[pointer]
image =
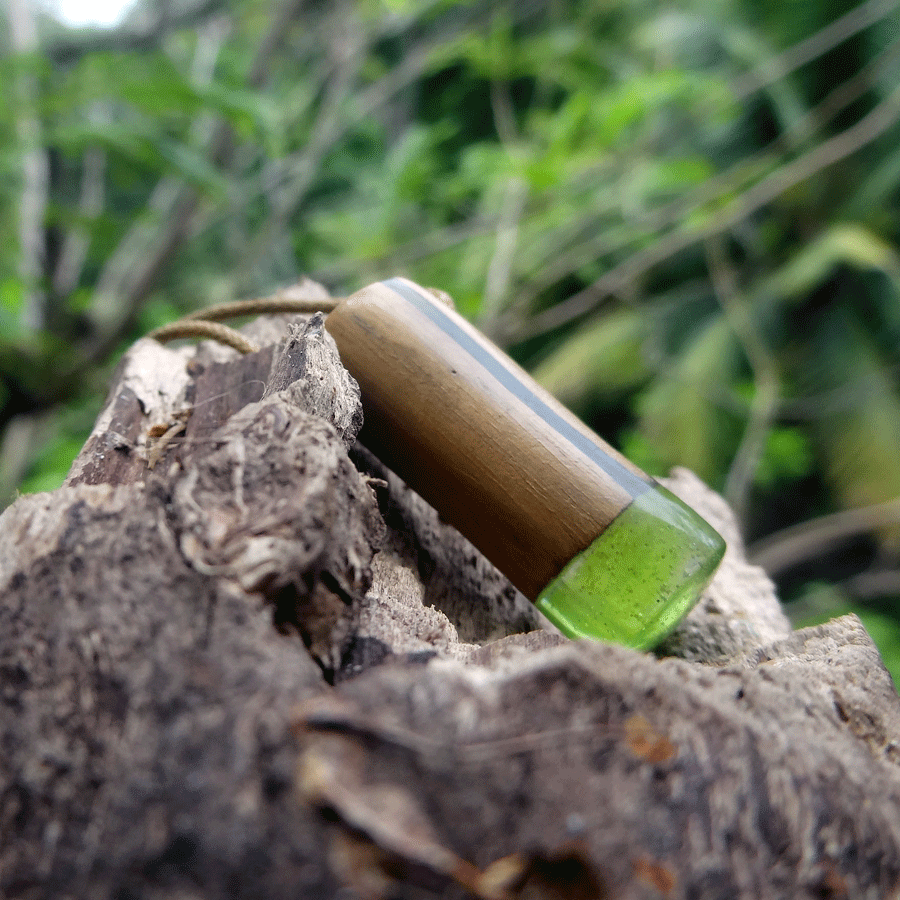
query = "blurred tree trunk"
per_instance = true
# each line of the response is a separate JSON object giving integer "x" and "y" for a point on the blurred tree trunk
{"x": 34, "y": 169}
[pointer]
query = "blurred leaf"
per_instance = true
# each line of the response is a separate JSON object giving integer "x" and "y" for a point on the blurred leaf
{"x": 858, "y": 433}
{"x": 137, "y": 143}
{"x": 246, "y": 110}
{"x": 53, "y": 463}
{"x": 127, "y": 138}
{"x": 844, "y": 243}
{"x": 602, "y": 358}
{"x": 194, "y": 167}
{"x": 678, "y": 414}
{"x": 786, "y": 456}
{"x": 149, "y": 82}
{"x": 154, "y": 86}
{"x": 12, "y": 298}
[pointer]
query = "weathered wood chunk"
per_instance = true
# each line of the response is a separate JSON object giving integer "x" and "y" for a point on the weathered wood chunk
{"x": 173, "y": 622}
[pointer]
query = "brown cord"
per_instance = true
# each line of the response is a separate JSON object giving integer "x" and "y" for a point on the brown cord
{"x": 206, "y": 323}
{"x": 198, "y": 328}
{"x": 263, "y": 306}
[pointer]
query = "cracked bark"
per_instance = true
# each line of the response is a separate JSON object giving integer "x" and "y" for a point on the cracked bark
{"x": 265, "y": 668}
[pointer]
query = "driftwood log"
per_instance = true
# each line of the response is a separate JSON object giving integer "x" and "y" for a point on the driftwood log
{"x": 239, "y": 659}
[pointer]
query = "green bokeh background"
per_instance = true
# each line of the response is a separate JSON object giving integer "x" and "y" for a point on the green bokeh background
{"x": 683, "y": 218}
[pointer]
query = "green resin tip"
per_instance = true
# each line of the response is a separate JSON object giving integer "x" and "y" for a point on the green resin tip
{"x": 636, "y": 581}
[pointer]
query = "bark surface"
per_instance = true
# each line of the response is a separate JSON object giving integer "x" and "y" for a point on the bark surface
{"x": 239, "y": 658}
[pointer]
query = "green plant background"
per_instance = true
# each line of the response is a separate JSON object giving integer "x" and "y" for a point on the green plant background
{"x": 683, "y": 218}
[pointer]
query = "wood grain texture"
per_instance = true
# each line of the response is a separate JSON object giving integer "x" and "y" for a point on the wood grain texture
{"x": 513, "y": 477}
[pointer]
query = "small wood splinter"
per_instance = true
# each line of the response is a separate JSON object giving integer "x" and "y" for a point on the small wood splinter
{"x": 162, "y": 440}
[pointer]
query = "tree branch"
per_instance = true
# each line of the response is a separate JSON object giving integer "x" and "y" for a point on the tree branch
{"x": 69, "y": 49}
{"x": 34, "y": 168}
{"x": 790, "y": 546}
{"x": 825, "y": 154}
{"x": 135, "y": 267}
{"x": 75, "y": 245}
{"x": 827, "y": 38}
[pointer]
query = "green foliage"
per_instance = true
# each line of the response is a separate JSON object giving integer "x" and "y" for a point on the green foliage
{"x": 685, "y": 219}
{"x": 859, "y": 440}
{"x": 603, "y": 358}
{"x": 786, "y": 457}
{"x": 54, "y": 458}
{"x": 678, "y": 414}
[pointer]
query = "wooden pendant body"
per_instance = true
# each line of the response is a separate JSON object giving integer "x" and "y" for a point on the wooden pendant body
{"x": 476, "y": 436}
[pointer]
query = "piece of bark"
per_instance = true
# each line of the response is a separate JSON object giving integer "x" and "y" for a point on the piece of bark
{"x": 475, "y": 602}
{"x": 150, "y": 638}
{"x": 168, "y": 635}
{"x": 143, "y": 739}
{"x": 149, "y": 385}
{"x": 668, "y": 778}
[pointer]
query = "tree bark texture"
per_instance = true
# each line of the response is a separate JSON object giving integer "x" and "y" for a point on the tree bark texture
{"x": 239, "y": 658}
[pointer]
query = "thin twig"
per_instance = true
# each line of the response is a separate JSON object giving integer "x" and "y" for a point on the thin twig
{"x": 827, "y": 38}
{"x": 852, "y": 89}
{"x": 499, "y": 272}
{"x": 789, "y": 546}
{"x": 847, "y": 142}
{"x": 515, "y": 196}
{"x": 764, "y": 405}
{"x": 873, "y": 584}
